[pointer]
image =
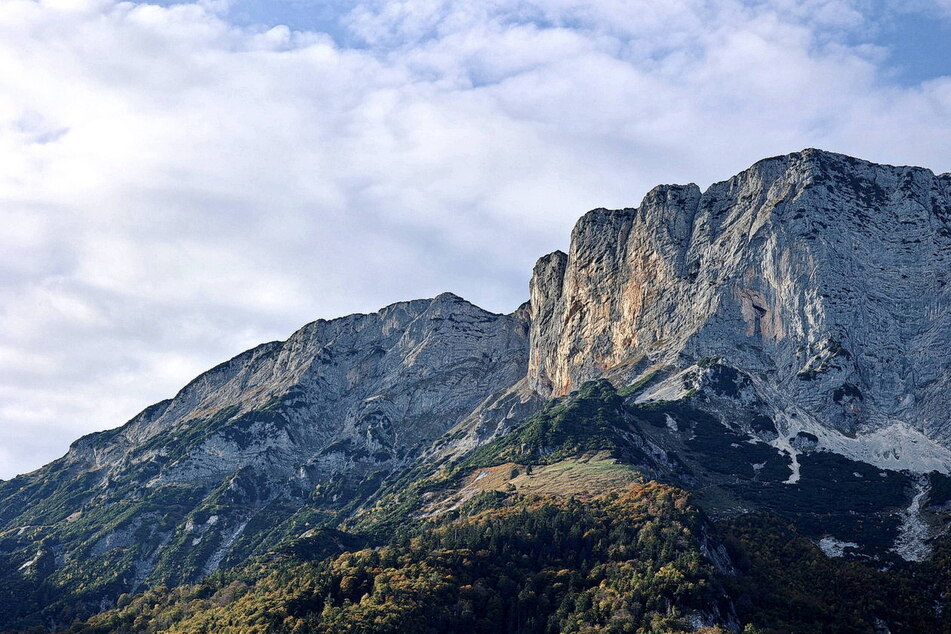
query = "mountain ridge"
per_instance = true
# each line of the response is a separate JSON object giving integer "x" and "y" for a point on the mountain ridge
{"x": 745, "y": 338}
{"x": 689, "y": 271}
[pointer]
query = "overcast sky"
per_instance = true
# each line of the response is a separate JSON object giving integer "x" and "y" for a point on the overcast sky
{"x": 179, "y": 181}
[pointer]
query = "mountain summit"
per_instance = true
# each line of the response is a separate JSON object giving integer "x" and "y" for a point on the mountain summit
{"x": 776, "y": 344}
{"x": 825, "y": 279}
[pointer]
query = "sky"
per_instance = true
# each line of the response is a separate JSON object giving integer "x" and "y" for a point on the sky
{"x": 180, "y": 181}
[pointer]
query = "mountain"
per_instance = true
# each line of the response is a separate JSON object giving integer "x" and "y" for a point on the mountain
{"x": 776, "y": 345}
{"x": 236, "y": 459}
{"x": 824, "y": 279}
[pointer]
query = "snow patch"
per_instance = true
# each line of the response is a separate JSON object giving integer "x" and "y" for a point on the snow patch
{"x": 33, "y": 561}
{"x": 833, "y": 547}
{"x": 782, "y": 443}
{"x": 913, "y": 534}
{"x": 671, "y": 423}
{"x": 896, "y": 446}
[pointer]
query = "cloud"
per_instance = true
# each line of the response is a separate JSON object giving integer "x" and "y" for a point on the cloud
{"x": 177, "y": 185}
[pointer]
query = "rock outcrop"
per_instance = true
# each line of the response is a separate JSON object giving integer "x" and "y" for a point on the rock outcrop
{"x": 385, "y": 384}
{"x": 249, "y": 451}
{"x": 823, "y": 277}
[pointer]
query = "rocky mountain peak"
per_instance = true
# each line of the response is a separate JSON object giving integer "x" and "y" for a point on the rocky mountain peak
{"x": 825, "y": 275}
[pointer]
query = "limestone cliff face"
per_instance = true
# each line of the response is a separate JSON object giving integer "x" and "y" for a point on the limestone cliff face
{"x": 824, "y": 277}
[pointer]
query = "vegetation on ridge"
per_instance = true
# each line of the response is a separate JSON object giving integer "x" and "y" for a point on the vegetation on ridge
{"x": 628, "y": 562}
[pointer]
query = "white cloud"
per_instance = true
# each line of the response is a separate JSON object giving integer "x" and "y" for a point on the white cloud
{"x": 175, "y": 188}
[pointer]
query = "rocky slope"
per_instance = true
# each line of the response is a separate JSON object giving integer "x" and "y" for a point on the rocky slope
{"x": 776, "y": 343}
{"x": 340, "y": 396}
{"x": 254, "y": 449}
{"x": 823, "y": 278}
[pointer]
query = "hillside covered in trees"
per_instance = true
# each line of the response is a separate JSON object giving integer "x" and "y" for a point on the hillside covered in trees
{"x": 551, "y": 528}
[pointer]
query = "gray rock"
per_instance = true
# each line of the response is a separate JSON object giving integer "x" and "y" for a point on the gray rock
{"x": 280, "y": 428}
{"x": 384, "y": 383}
{"x": 824, "y": 277}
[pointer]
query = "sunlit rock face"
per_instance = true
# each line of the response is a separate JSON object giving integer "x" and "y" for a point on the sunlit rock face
{"x": 823, "y": 277}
